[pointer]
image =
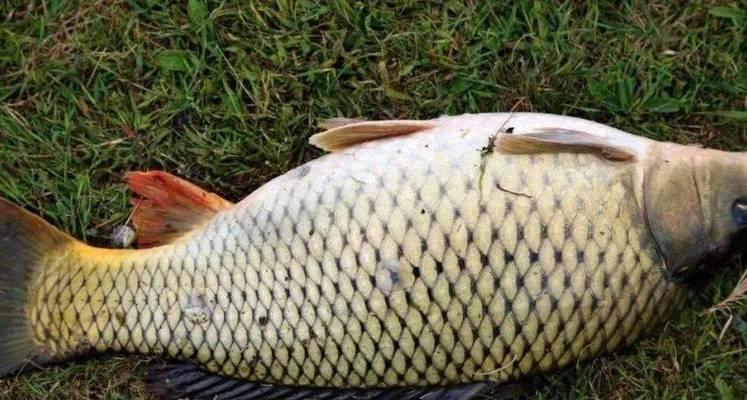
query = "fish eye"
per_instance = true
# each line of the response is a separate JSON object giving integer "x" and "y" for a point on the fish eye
{"x": 739, "y": 212}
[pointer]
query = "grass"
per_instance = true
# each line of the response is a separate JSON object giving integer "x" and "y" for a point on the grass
{"x": 226, "y": 95}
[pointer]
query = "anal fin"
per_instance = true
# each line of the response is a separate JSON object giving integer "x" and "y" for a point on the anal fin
{"x": 168, "y": 207}
{"x": 178, "y": 381}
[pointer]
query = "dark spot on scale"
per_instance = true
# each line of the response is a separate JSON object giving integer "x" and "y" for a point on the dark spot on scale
{"x": 119, "y": 315}
{"x": 253, "y": 362}
{"x": 393, "y": 277}
{"x": 510, "y": 129}
{"x": 302, "y": 171}
{"x": 263, "y": 321}
{"x": 422, "y": 211}
{"x": 311, "y": 231}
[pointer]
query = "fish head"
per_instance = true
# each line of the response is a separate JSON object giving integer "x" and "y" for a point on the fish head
{"x": 696, "y": 206}
{"x": 723, "y": 193}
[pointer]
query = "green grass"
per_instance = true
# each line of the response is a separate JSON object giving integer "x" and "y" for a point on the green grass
{"x": 226, "y": 95}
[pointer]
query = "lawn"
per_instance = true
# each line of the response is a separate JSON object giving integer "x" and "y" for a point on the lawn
{"x": 227, "y": 95}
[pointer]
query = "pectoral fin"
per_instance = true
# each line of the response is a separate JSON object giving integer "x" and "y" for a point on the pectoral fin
{"x": 551, "y": 140}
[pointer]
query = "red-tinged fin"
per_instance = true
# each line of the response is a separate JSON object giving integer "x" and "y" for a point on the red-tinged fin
{"x": 25, "y": 240}
{"x": 172, "y": 381}
{"x": 168, "y": 207}
{"x": 343, "y": 133}
{"x": 561, "y": 141}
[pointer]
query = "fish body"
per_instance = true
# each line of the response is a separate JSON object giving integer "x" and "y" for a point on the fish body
{"x": 437, "y": 253}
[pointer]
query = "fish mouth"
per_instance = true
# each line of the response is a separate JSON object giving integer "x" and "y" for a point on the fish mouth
{"x": 699, "y": 274}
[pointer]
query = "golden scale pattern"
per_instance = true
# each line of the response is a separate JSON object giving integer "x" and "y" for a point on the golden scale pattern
{"x": 412, "y": 276}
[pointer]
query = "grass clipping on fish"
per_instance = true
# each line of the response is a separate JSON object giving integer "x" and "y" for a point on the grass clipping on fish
{"x": 736, "y": 296}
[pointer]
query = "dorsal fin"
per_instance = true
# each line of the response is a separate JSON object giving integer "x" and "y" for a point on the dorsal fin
{"x": 167, "y": 207}
{"x": 342, "y": 133}
{"x": 555, "y": 140}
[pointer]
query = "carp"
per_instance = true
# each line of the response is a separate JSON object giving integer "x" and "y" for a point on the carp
{"x": 419, "y": 259}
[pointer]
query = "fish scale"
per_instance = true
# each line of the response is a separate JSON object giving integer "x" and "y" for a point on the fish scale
{"x": 420, "y": 261}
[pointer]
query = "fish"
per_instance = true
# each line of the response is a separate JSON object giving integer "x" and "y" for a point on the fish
{"x": 417, "y": 259}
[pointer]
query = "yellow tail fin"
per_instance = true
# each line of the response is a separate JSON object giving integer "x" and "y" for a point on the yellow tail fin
{"x": 24, "y": 240}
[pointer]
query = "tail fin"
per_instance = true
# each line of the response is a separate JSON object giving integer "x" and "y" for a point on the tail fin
{"x": 24, "y": 240}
